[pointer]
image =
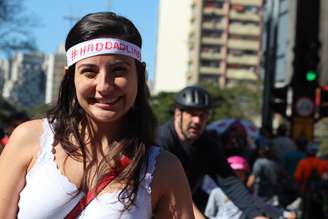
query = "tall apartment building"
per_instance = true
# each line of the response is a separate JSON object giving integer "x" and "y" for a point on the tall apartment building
{"x": 172, "y": 45}
{"x": 54, "y": 68}
{"x": 24, "y": 83}
{"x": 225, "y": 41}
{"x": 4, "y": 69}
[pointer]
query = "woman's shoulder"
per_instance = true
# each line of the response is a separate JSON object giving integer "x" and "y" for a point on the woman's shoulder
{"x": 24, "y": 143}
{"x": 168, "y": 168}
{"x": 26, "y": 136}
{"x": 28, "y": 131}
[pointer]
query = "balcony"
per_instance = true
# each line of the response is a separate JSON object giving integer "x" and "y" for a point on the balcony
{"x": 244, "y": 44}
{"x": 211, "y": 70}
{"x": 247, "y": 16}
{"x": 213, "y": 40}
{"x": 247, "y": 2}
{"x": 243, "y": 60}
{"x": 214, "y": 11}
{"x": 213, "y": 25}
{"x": 241, "y": 74}
{"x": 211, "y": 55}
{"x": 247, "y": 29}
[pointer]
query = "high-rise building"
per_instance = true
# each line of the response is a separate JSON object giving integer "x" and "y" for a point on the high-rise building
{"x": 172, "y": 45}
{"x": 54, "y": 67}
{"x": 225, "y": 41}
{"x": 4, "y": 69}
{"x": 324, "y": 42}
{"x": 24, "y": 82}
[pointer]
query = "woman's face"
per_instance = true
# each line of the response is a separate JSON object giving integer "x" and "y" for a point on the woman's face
{"x": 106, "y": 86}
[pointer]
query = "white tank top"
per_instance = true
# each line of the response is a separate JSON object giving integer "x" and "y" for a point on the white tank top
{"x": 49, "y": 194}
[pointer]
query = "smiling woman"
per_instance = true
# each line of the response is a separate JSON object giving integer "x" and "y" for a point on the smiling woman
{"x": 94, "y": 155}
{"x": 106, "y": 86}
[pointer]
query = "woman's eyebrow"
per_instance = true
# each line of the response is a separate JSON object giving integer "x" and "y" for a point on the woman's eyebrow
{"x": 120, "y": 61}
{"x": 86, "y": 65}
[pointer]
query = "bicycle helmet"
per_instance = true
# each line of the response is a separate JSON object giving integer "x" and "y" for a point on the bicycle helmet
{"x": 193, "y": 97}
{"x": 238, "y": 163}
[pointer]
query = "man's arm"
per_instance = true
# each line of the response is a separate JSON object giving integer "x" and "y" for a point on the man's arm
{"x": 239, "y": 195}
{"x": 230, "y": 184}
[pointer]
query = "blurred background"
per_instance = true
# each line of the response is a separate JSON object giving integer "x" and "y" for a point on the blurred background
{"x": 263, "y": 60}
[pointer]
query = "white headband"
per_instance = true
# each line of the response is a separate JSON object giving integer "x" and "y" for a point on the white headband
{"x": 101, "y": 46}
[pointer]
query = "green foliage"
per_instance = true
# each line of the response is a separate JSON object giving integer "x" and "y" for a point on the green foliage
{"x": 242, "y": 101}
{"x": 6, "y": 109}
{"x": 38, "y": 111}
{"x": 321, "y": 133}
{"x": 163, "y": 106}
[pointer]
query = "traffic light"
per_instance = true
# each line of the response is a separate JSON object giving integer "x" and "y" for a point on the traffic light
{"x": 323, "y": 106}
{"x": 311, "y": 75}
{"x": 278, "y": 100}
{"x": 305, "y": 79}
{"x": 306, "y": 50}
{"x": 311, "y": 64}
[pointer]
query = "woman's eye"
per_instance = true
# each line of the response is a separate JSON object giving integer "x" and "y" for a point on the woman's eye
{"x": 119, "y": 70}
{"x": 88, "y": 73}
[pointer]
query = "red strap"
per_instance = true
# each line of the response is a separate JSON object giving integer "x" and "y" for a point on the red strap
{"x": 83, "y": 203}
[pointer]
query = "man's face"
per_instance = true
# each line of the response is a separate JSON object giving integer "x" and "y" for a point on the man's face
{"x": 190, "y": 124}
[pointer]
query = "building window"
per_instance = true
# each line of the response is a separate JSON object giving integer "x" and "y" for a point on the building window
{"x": 209, "y": 78}
{"x": 212, "y": 33}
{"x": 243, "y": 37}
{"x": 209, "y": 63}
{"x": 213, "y": 4}
{"x": 211, "y": 49}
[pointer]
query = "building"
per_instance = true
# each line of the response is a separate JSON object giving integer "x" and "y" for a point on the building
{"x": 225, "y": 41}
{"x": 24, "y": 82}
{"x": 54, "y": 68}
{"x": 4, "y": 70}
{"x": 324, "y": 42}
{"x": 172, "y": 45}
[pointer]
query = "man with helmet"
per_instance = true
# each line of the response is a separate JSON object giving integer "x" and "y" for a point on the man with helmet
{"x": 186, "y": 137}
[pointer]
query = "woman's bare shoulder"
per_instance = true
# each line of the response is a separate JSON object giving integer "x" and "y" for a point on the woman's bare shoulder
{"x": 168, "y": 168}
{"x": 25, "y": 139}
{"x": 27, "y": 132}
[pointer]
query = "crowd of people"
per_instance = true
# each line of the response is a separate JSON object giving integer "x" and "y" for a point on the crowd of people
{"x": 99, "y": 153}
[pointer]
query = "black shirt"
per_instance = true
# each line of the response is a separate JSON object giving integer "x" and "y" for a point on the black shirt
{"x": 200, "y": 158}
{"x": 205, "y": 156}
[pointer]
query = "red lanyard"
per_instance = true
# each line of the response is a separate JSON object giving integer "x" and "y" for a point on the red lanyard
{"x": 83, "y": 203}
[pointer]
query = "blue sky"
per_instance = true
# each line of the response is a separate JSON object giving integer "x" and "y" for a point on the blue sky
{"x": 53, "y": 27}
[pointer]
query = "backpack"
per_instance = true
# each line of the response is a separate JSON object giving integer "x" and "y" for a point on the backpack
{"x": 313, "y": 185}
{"x": 287, "y": 188}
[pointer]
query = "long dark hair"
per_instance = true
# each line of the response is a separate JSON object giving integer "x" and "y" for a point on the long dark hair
{"x": 68, "y": 117}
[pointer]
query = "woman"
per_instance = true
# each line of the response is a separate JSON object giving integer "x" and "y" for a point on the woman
{"x": 102, "y": 117}
{"x": 220, "y": 206}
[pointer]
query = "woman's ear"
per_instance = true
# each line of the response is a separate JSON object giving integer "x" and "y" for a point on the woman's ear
{"x": 65, "y": 69}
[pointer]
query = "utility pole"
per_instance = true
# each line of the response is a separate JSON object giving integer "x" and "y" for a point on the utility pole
{"x": 271, "y": 28}
{"x": 109, "y": 5}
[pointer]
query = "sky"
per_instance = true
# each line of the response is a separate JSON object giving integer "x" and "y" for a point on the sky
{"x": 52, "y": 27}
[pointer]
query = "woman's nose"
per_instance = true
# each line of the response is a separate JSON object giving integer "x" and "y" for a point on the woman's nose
{"x": 105, "y": 81}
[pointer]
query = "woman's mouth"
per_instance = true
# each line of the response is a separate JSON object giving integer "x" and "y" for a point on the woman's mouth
{"x": 106, "y": 102}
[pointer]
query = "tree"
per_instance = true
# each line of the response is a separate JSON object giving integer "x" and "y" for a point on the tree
{"x": 14, "y": 26}
{"x": 6, "y": 109}
{"x": 38, "y": 111}
{"x": 242, "y": 101}
{"x": 163, "y": 106}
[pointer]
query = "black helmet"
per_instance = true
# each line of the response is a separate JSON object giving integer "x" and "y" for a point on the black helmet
{"x": 193, "y": 97}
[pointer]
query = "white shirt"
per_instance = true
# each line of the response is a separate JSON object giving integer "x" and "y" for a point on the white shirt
{"x": 49, "y": 194}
